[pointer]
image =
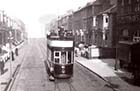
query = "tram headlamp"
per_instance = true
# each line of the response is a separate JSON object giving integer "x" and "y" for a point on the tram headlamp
{"x": 63, "y": 71}
{"x": 63, "y": 67}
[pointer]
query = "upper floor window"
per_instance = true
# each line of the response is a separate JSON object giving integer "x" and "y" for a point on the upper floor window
{"x": 129, "y": 1}
{"x": 107, "y": 19}
{"x": 122, "y": 3}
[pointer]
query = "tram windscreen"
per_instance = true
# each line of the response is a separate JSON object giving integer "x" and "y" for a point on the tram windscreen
{"x": 64, "y": 57}
{"x": 69, "y": 57}
{"x": 57, "y": 56}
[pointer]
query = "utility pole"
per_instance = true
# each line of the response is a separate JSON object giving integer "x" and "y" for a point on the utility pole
{"x": 10, "y": 41}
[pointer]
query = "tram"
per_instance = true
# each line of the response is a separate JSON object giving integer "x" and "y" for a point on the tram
{"x": 60, "y": 56}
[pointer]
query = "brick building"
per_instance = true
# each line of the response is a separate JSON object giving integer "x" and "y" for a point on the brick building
{"x": 104, "y": 17}
{"x": 128, "y": 20}
{"x": 83, "y": 21}
{"x": 128, "y": 29}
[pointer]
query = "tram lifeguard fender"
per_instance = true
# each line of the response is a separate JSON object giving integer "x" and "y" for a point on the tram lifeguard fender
{"x": 60, "y": 43}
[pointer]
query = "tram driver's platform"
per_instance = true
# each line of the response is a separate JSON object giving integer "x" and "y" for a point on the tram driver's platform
{"x": 105, "y": 69}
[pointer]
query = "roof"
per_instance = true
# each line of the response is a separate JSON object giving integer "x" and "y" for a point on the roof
{"x": 112, "y": 9}
{"x": 85, "y": 6}
{"x": 97, "y": 3}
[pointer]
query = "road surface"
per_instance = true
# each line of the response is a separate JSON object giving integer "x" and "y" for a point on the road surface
{"x": 32, "y": 75}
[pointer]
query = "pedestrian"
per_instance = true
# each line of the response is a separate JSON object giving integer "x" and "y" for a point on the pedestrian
{"x": 13, "y": 56}
{"x": 76, "y": 52}
{"x": 2, "y": 67}
{"x": 16, "y": 51}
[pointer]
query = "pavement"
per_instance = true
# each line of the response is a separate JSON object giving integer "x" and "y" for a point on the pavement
{"x": 104, "y": 68}
{"x": 9, "y": 70}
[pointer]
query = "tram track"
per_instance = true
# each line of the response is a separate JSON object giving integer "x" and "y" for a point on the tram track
{"x": 58, "y": 82}
{"x": 15, "y": 73}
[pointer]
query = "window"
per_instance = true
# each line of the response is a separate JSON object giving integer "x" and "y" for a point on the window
{"x": 136, "y": 36}
{"x": 94, "y": 21}
{"x": 57, "y": 60}
{"x": 57, "y": 56}
{"x": 63, "y": 57}
{"x": 119, "y": 2}
{"x": 122, "y": 3}
{"x": 129, "y": 1}
{"x": 106, "y": 19}
{"x": 69, "y": 57}
{"x": 125, "y": 33}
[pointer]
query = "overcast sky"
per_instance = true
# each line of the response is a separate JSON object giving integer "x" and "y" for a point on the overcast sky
{"x": 29, "y": 11}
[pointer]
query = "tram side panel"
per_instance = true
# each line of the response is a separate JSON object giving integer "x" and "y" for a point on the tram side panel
{"x": 49, "y": 61}
{"x": 63, "y": 63}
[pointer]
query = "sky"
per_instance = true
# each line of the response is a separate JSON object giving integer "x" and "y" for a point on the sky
{"x": 30, "y": 11}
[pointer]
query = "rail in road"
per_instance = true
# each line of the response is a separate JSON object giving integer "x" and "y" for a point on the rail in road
{"x": 57, "y": 82}
{"x": 83, "y": 79}
{"x": 16, "y": 71}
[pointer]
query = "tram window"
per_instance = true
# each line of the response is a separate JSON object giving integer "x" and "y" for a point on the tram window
{"x": 56, "y": 53}
{"x": 69, "y": 57}
{"x": 63, "y": 57}
{"x": 57, "y": 60}
{"x": 57, "y": 56}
